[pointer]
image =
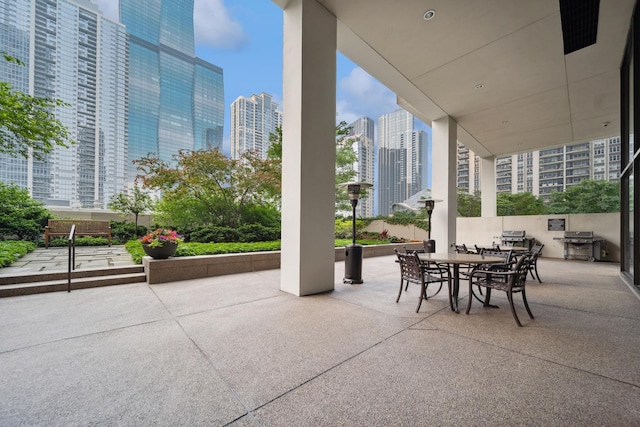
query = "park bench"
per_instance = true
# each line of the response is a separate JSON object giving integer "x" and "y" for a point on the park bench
{"x": 84, "y": 227}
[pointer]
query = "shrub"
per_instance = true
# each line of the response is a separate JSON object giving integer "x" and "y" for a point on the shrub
{"x": 344, "y": 227}
{"x": 258, "y": 233}
{"x": 214, "y": 234}
{"x": 20, "y": 214}
{"x": 12, "y": 250}
{"x": 80, "y": 241}
{"x": 123, "y": 231}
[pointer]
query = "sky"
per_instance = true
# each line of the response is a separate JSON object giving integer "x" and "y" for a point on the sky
{"x": 244, "y": 38}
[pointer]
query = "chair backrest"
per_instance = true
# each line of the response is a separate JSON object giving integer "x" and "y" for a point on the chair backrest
{"x": 506, "y": 254}
{"x": 521, "y": 268}
{"x": 413, "y": 251}
{"x": 496, "y": 248}
{"x": 461, "y": 249}
{"x": 536, "y": 249}
{"x": 410, "y": 267}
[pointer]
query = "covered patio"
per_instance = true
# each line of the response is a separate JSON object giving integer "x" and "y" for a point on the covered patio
{"x": 236, "y": 350}
{"x": 500, "y": 76}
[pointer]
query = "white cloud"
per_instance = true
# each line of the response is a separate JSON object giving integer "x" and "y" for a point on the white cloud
{"x": 215, "y": 27}
{"x": 362, "y": 95}
{"x": 110, "y": 8}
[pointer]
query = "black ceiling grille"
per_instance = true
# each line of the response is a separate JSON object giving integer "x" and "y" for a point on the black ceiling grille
{"x": 579, "y": 23}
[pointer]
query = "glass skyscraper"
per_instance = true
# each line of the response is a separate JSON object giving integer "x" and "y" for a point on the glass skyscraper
{"x": 402, "y": 159}
{"x": 72, "y": 53}
{"x": 176, "y": 101}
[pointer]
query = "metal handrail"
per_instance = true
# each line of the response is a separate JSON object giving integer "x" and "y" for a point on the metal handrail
{"x": 72, "y": 255}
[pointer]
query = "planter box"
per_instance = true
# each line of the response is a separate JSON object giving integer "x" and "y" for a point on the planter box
{"x": 196, "y": 267}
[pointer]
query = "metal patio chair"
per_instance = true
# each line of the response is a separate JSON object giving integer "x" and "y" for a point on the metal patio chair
{"x": 510, "y": 281}
{"x": 412, "y": 270}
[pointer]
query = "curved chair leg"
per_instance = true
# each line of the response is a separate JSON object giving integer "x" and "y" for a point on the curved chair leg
{"x": 513, "y": 309}
{"x": 470, "y": 297}
{"x": 526, "y": 304}
{"x": 423, "y": 295}
{"x": 535, "y": 267}
{"x": 438, "y": 291}
{"x": 400, "y": 293}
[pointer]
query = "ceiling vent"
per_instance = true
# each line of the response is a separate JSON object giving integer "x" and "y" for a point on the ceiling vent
{"x": 579, "y": 23}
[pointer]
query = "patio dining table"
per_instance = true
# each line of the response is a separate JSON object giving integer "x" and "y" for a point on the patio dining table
{"x": 456, "y": 259}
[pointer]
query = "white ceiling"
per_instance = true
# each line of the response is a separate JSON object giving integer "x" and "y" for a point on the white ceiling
{"x": 533, "y": 96}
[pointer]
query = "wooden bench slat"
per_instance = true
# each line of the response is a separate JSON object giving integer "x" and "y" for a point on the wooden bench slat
{"x": 84, "y": 227}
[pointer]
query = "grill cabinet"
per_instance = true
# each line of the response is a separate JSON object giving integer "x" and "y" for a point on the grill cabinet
{"x": 583, "y": 245}
{"x": 516, "y": 238}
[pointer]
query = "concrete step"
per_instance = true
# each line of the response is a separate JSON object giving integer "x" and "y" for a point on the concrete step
{"x": 12, "y": 279}
{"x": 30, "y": 283}
{"x": 36, "y": 287}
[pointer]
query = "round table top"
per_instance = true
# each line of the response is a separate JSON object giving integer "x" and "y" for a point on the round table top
{"x": 456, "y": 258}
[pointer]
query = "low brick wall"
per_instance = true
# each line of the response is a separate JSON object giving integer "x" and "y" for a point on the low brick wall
{"x": 196, "y": 267}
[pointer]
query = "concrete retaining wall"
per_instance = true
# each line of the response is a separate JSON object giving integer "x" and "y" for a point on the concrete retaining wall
{"x": 196, "y": 267}
{"x": 485, "y": 231}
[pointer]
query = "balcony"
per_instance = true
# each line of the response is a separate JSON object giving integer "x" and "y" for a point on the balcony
{"x": 236, "y": 350}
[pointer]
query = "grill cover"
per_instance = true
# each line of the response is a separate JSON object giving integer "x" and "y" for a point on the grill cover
{"x": 579, "y": 235}
{"x": 510, "y": 234}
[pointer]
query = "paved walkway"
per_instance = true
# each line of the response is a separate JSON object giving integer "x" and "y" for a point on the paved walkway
{"x": 57, "y": 259}
{"x": 235, "y": 350}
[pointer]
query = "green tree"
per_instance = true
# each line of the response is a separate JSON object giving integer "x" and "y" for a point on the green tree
{"x": 131, "y": 204}
{"x": 345, "y": 158}
{"x": 519, "y": 204}
{"x": 207, "y": 188}
{"x": 20, "y": 214}
{"x": 468, "y": 204}
{"x": 274, "y": 151}
{"x": 588, "y": 196}
{"x": 29, "y": 126}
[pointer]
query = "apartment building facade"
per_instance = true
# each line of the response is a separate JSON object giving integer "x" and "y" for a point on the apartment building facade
{"x": 361, "y": 134}
{"x": 545, "y": 171}
{"x": 253, "y": 119}
{"x": 73, "y": 53}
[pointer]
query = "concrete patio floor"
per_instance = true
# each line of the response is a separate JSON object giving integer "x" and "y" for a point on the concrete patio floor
{"x": 235, "y": 350}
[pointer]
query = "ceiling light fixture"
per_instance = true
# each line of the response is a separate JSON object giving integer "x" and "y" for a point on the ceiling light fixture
{"x": 429, "y": 14}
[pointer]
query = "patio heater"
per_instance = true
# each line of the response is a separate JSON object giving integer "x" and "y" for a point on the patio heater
{"x": 429, "y": 245}
{"x": 353, "y": 252}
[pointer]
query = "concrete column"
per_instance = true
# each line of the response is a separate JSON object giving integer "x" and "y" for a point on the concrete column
{"x": 488, "y": 187}
{"x": 308, "y": 149}
{"x": 444, "y": 134}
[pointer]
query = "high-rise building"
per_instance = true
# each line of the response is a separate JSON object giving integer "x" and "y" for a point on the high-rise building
{"x": 402, "y": 159}
{"x": 176, "y": 101}
{"x": 252, "y": 121}
{"x": 361, "y": 134}
{"x": 542, "y": 172}
{"x": 72, "y": 53}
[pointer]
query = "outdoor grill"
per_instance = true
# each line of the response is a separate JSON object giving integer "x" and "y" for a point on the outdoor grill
{"x": 516, "y": 238}
{"x": 583, "y": 244}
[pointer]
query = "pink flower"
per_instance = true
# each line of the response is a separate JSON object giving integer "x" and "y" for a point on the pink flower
{"x": 160, "y": 236}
